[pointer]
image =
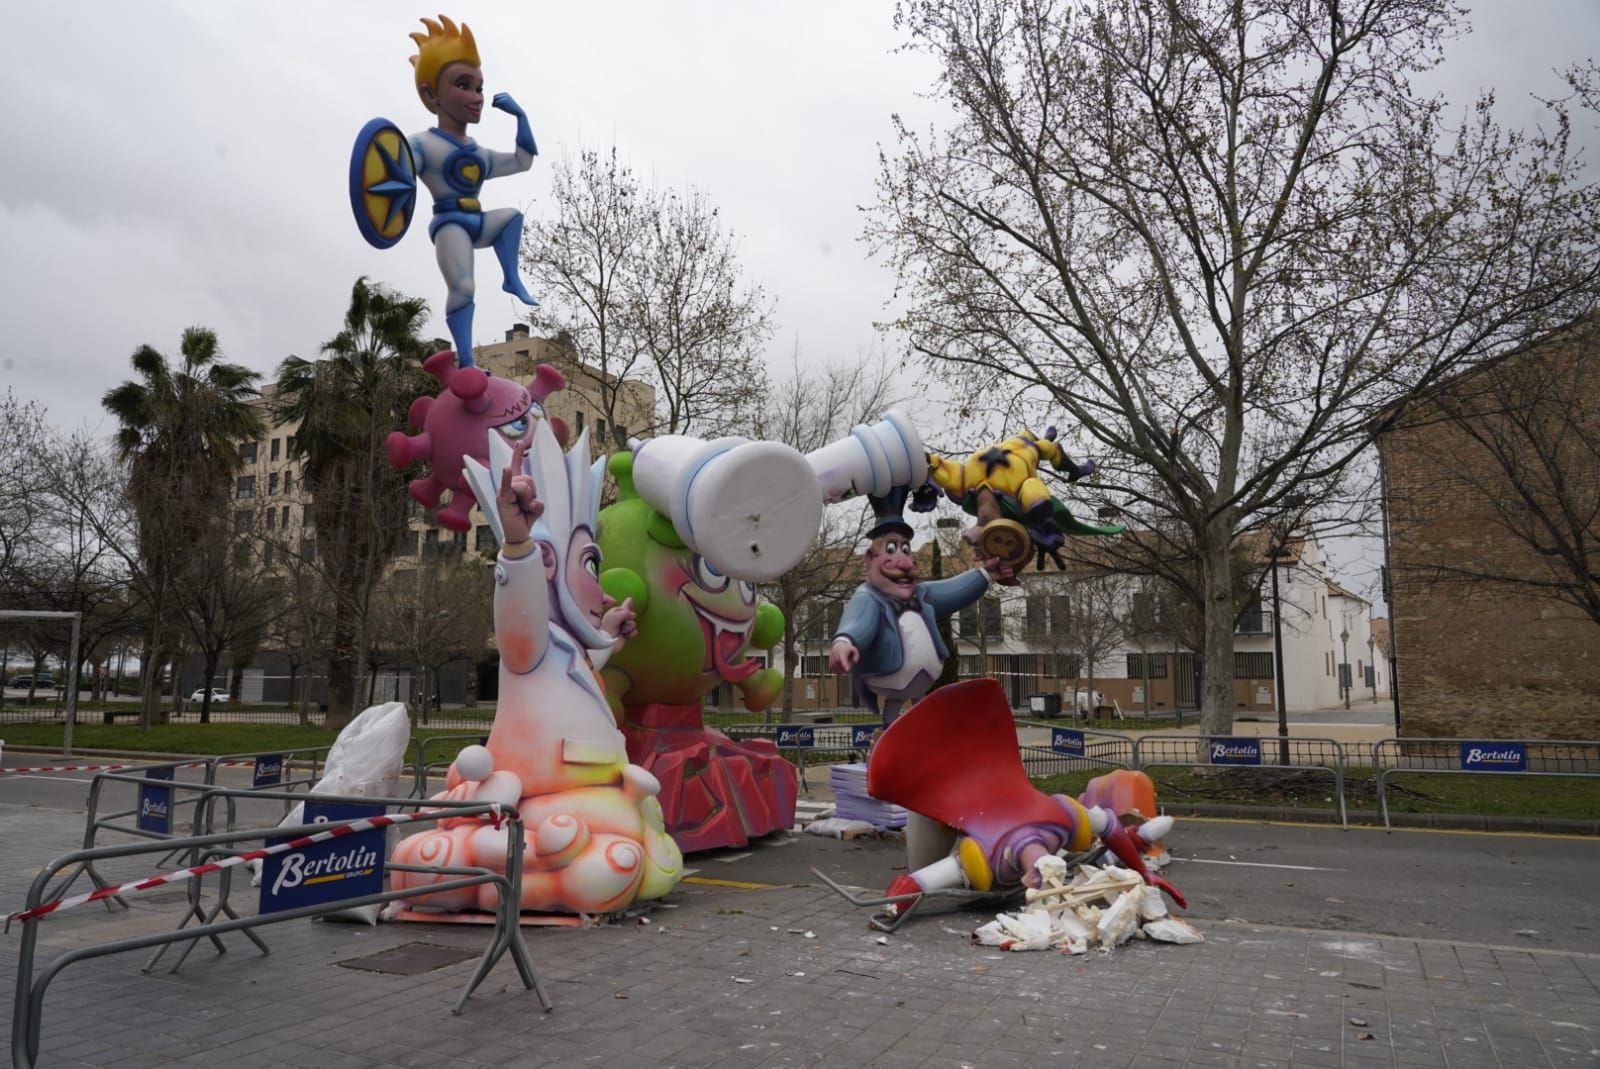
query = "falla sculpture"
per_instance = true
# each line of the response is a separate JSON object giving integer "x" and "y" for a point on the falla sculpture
{"x": 386, "y": 167}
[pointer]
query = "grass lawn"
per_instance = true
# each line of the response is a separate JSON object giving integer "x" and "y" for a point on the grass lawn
{"x": 1561, "y": 797}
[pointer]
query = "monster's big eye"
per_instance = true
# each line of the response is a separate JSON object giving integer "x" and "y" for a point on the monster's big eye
{"x": 535, "y": 411}
{"x": 706, "y": 574}
{"x": 747, "y": 592}
{"x": 515, "y": 429}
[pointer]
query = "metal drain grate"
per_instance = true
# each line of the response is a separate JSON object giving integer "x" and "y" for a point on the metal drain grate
{"x": 411, "y": 959}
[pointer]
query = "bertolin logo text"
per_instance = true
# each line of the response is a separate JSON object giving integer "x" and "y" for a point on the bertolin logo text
{"x": 269, "y": 767}
{"x": 1489, "y": 757}
{"x": 794, "y": 736}
{"x": 1239, "y": 752}
{"x": 153, "y": 808}
{"x": 297, "y": 870}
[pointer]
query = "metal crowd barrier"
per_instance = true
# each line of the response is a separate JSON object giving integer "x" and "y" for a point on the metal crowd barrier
{"x": 1495, "y": 757}
{"x": 423, "y": 767}
{"x": 1075, "y": 750}
{"x": 1247, "y": 751}
{"x": 153, "y": 817}
{"x": 820, "y": 743}
{"x": 28, "y": 1005}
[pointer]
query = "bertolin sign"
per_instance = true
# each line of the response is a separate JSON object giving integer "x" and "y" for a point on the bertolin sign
{"x": 863, "y": 735}
{"x": 1494, "y": 757}
{"x": 1067, "y": 741}
{"x": 796, "y": 737}
{"x": 347, "y": 867}
{"x": 155, "y": 802}
{"x": 1234, "y": 750}
{"x": 268, "y": 770}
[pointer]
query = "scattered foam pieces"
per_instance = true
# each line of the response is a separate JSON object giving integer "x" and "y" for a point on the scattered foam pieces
{"x": 1093, "y": 907}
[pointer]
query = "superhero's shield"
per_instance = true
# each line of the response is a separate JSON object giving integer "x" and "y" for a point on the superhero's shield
{"x": 383, "y": 183}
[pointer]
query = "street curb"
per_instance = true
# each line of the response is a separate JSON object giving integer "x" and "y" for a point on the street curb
{"x": 1371, "y": 818}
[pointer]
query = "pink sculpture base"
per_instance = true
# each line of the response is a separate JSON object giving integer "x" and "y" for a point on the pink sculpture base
{"x": 715, "y": 792}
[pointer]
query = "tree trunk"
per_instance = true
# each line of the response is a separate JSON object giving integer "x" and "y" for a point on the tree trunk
{"x": 210, "y": 674}
{"x": 791, "y": 673}
{"x": 1216, "y": 695}
{"x": 305, "y": 697}
{"x": 341, "y": 692}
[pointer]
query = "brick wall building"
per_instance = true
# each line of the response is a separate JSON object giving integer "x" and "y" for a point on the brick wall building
{"x": 1493, "y": 499}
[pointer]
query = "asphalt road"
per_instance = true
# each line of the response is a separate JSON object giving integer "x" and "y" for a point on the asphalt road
{"x": 1504, "y": 890}
{"x": 1500, "y": 889}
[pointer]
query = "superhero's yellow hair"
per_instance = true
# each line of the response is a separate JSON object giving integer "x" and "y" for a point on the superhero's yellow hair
{"x": 443, "y": 45}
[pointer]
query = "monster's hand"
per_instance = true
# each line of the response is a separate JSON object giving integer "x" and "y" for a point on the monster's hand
{"x": 620, "y": 622}
{"x": 768, "y": 627}
{"x": 516, "y": 503}
{"x": 761, "y": 689}
{"x": 842, "y": 657}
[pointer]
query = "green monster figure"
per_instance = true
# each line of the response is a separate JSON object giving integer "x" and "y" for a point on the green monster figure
{"x": 696, "y": 627}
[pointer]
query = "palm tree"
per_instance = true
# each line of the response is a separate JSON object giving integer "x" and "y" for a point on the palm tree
{"x": 180, "y": 431}
{"x": 345, "y": 404}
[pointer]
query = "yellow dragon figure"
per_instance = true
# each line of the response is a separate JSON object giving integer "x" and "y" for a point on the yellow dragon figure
{"x": 1001, "y": 482}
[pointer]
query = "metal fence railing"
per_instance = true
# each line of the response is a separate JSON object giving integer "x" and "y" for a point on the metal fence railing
{"x": 1229, "y": 753}
{"x": 1494, "y": 757}
{"x": 813, "y": 744}
{"x": 1074, "y": 750}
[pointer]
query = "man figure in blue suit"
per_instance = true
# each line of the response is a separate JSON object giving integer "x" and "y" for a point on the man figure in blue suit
{"x": 888, "y": 639}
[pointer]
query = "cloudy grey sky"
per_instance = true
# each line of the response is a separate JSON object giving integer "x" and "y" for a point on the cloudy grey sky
{"x": 175, "y": 163}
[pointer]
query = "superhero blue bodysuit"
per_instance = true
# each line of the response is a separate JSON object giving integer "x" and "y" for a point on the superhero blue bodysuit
{"x": 454, "y": 171}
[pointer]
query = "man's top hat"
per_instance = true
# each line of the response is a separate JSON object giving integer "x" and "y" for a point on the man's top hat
{"x": 888, "y": 511}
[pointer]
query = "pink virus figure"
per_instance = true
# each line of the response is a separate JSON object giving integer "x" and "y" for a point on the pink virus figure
{"x": 454, "y": 426}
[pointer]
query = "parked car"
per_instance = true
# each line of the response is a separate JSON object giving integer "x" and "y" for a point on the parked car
{"x": 45, "y": 680}
{"x": 217, "y": 696}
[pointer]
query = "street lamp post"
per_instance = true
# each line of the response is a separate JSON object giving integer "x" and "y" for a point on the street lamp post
{"x": 1345, "y": 681}
{"x": 1372, "y": 665}
{"x": 1276, "y": 553}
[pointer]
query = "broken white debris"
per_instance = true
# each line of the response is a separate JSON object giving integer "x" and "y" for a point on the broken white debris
{"x": 1100, "y": 907}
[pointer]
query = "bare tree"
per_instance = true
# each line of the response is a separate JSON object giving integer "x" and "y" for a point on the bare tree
{"x": 1095, "y": 622}
{"x": 232, "y": 597}
{"x": 1518, "y": 445}
{"x": 432, "y": 615}
{"x": 1221, "y": 235}
{"x": 645, "y": 284}
{"x": 703, "y": 329}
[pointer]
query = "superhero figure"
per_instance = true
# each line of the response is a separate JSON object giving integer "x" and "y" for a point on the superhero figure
{"x": 1001, "y": 483}
{"x": 697, "y": 628}
{"x": 953, "y": 757}
{"x": 452, "y": 167}
{"x": 595, "y": 837}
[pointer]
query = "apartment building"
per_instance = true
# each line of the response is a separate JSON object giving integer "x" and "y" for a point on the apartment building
{"x": 272, "y": 508}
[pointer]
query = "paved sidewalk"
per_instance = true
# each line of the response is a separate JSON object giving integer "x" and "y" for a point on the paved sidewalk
{"x": 789, "y": 975}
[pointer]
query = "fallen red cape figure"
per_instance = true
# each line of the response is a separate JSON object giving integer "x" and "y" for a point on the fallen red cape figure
{"x": 953, "y": 757}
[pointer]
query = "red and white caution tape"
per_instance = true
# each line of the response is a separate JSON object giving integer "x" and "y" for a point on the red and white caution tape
{"x": 336, "y": 832}
{"x": 116, "y": 768}
{"x": 65, "y": 768}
